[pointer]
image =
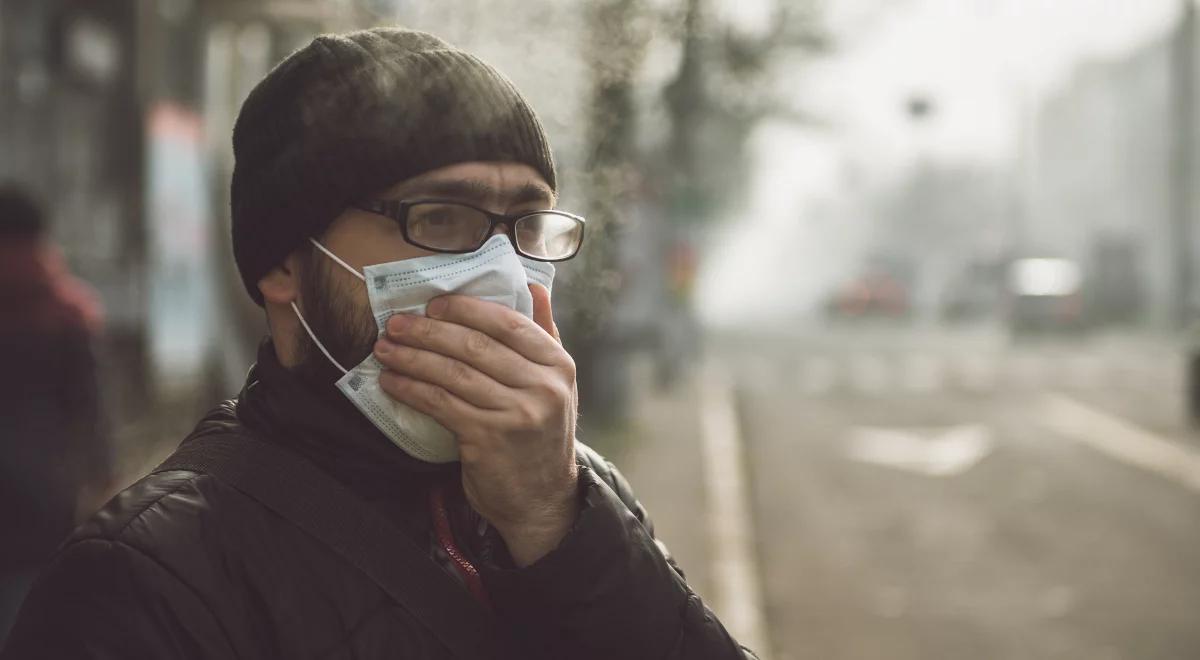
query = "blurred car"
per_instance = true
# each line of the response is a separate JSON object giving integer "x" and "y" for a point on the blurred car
{"x": 976, "y": 294}
{"x": 872, "y": 295}
{"x": 1045, "y": 295}
{"x": 1115, "y": 291}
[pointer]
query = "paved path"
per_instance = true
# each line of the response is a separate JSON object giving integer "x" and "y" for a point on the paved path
{"x": 940, "y": 501}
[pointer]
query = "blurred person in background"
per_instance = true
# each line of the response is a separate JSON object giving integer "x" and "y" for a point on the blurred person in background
{"x": 375, "y": 172}
{"x": 54, "y": 459}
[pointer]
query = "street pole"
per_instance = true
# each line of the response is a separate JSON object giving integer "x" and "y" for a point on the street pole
{"x": 1183, "y": 146}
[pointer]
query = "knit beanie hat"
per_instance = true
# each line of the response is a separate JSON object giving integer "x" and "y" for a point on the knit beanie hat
{"x": 350, "y": 115}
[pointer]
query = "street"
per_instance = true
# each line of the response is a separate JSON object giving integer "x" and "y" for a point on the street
{"x": 949, "y": 495}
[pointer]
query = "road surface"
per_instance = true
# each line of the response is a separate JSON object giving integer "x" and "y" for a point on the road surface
{"x": 922, "y": 496}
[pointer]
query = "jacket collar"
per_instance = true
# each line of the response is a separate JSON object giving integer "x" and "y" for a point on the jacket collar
{"x": 318, "y": 422}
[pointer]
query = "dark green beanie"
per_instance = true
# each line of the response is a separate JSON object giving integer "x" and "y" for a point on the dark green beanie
{"x": 352, "y": 114}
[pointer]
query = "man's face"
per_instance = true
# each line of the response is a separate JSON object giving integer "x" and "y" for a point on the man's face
{"x": 334, "y": 301}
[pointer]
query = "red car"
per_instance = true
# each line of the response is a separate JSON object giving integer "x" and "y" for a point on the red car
{"x": 874, "y": 295}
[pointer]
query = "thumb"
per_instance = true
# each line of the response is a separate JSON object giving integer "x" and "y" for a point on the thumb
{"x": 543, "y": 314}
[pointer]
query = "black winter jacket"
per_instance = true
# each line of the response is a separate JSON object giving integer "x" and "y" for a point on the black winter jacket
{"x": 181, "y": 565}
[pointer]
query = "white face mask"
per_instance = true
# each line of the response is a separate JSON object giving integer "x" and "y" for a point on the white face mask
{"x": 494, "y": 272}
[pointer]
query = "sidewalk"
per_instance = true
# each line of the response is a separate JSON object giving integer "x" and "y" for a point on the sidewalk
{"x": 661, "y": 457}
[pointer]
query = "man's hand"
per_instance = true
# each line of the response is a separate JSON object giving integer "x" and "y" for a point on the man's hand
{"x": 505, "y": 387}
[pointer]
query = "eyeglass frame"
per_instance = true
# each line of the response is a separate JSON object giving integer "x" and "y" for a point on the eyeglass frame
{"x": 397, "y": 210}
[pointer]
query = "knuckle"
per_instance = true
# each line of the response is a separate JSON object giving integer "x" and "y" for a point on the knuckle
{"x": 530, "y": 415}
{"x": 568, "y": 366}
{"x": 552, "y": 391}
{"x": 437, "y": 396}
{"x": 515, "y": 325}
{"x": 478, "y": 343}
{"x": 459, "y": 372}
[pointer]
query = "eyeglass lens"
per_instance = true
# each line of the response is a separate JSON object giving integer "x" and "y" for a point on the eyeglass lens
{"x": 443, "y": 226}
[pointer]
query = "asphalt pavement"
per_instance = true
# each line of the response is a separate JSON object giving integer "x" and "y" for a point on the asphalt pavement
{"x": 946, "y": 495}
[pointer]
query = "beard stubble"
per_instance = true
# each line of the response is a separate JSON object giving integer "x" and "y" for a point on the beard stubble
{"x": 346, "y": 329}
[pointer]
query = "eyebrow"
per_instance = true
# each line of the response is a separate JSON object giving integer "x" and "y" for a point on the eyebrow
{"x": 477, "y": 190}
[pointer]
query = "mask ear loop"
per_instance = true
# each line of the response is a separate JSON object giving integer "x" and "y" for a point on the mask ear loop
{"x": 314, "y": 336}
{"x": 337, "y": 259}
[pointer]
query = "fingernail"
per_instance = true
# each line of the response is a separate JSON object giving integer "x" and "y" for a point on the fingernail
{"x": 435, "y": 307}
{"x": 383, "y": 346}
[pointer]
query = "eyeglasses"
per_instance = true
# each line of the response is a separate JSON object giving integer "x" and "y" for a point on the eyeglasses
{"x": 442, "y": 225}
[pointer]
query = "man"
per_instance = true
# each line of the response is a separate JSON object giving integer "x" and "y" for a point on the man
{"x": 375, "y": 170}
{"x": 54, "y": 455}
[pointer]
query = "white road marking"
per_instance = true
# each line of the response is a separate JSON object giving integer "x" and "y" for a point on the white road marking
{"x": 738, "y": 596}
{"x": 1122, "y": 440}
{"x": 943, "y": 452}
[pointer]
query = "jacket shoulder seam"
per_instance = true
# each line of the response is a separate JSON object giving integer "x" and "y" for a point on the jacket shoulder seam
{"x": 116, "y": 533}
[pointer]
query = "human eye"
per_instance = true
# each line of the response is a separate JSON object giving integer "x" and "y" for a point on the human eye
{"x": 434, "y": 217}
{"x": 445, "y": 225}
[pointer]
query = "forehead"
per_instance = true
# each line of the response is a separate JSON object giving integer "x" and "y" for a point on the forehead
{"x": 479, "y": 182}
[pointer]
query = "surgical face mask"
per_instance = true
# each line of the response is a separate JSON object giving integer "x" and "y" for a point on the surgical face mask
{"x": 494, "y": 272}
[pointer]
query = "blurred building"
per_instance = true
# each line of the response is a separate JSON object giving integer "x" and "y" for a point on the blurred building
{"x": 71, "y": 130}
{"x": 1106, "y": 182}
{"x": 119, "y": 115}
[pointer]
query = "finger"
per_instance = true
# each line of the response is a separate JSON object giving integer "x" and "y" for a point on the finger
{"x": 507, "y": 326}
{"x": 458, "y": 378}
{"x": 445, "y": 408}
{"x": 464, "y": 344}
{"x": 543, "y": 312}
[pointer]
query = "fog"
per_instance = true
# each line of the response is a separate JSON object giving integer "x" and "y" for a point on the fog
{"x": 886, "y": 308}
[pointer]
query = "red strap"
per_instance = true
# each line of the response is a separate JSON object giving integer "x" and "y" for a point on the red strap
{"x": 445, "y": 537}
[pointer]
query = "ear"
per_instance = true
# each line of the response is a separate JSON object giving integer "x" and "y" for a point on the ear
{"x": 281, "y": 284}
